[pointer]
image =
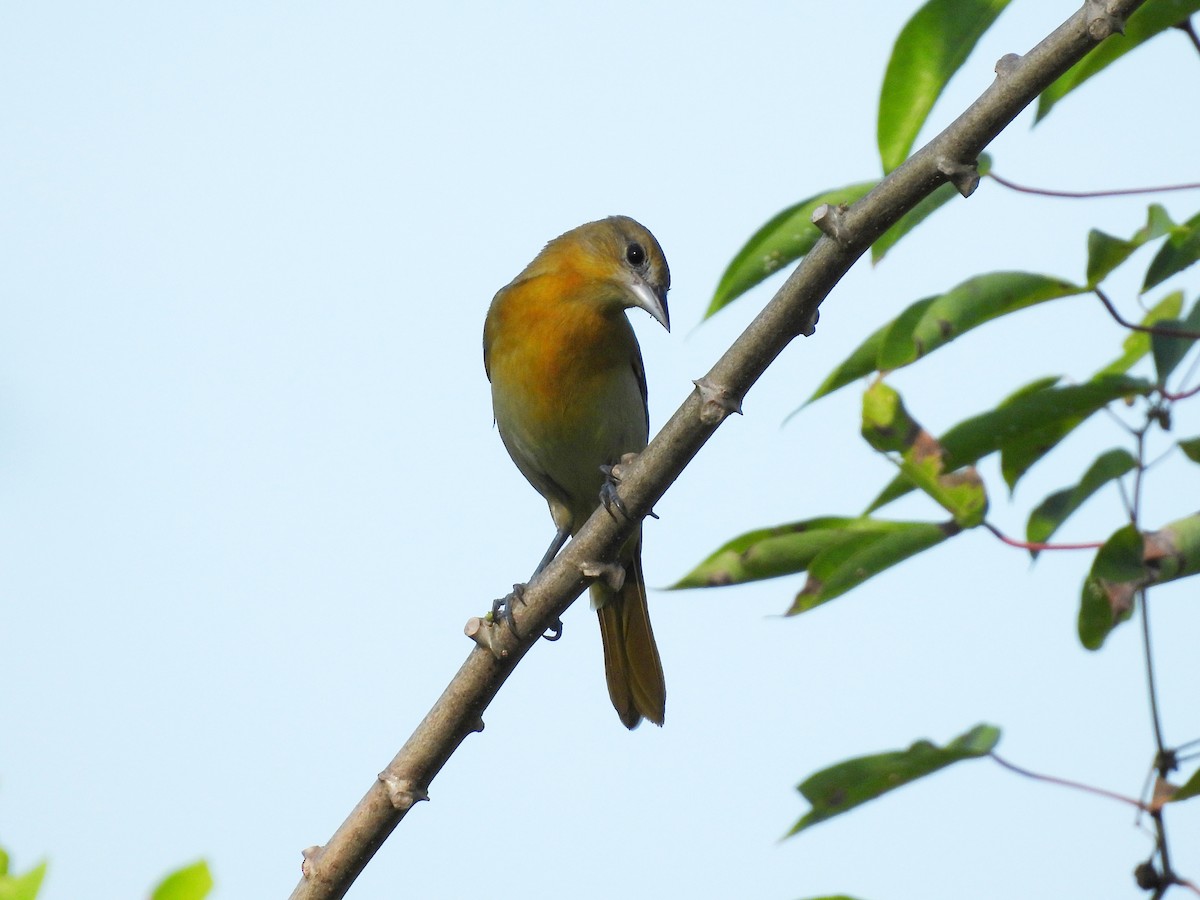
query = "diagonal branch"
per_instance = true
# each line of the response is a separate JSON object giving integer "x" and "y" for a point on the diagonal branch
{"x": 330, "y": 870}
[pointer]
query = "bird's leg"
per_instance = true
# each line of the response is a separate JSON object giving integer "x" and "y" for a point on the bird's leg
{"x": 560, "y": 538}
{"x": 555, "y": 631}
{"x": 503, "y": 607}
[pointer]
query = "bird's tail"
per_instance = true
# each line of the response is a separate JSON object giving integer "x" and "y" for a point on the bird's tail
{"x": 631, "y": 661}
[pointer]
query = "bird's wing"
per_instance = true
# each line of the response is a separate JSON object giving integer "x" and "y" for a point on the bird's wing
{"x": 639, "y": 372}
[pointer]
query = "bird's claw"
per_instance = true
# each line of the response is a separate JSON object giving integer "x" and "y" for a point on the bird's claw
{"x": 608, "y": 492}
{"x": 502, "y": 608}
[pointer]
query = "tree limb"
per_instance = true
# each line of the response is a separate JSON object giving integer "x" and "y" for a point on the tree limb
{"x": 330, "y": 870}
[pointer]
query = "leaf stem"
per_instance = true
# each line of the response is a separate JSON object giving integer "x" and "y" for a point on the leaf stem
{"x": 1089, "y": 195}
{"x": 1164, "y": 331}
{"x": 1064, "y": 782}
{"x": 1186, "y": 27}
{"x": 1035, "y": 545}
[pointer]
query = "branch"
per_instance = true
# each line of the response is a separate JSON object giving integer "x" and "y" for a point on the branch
{"x": 330, "y": 870}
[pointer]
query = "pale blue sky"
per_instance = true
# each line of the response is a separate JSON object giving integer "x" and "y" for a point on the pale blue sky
{"x": 250, "y": 490}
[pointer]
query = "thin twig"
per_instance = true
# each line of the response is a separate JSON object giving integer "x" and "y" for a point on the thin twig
{"x": 1162, "y": 330}
{"x": 1190, "y": 885}
{"x": 1075, "y": 785}
{"x": 1186, "y": 27}
{"x": 1150, "y": 681}
{"x": 1163, "y": 761}
{"x": 1182, "y": 395}
{"x": 1089, "y": 195}
{"x": 1035, "y": 545}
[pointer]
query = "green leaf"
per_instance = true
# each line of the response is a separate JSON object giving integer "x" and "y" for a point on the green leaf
{"x": 860, "y": 363}
{"x": 785, "y": 238}
{"x": 967, "y": 306}
{"x": 1032, "y": 409}
{"x": 1173, "y": 551}
{"x": 1169, "y": 350}
{"x": 888, "y": 427}
{"x": 1152, "y": 17}
{"x": 1106, "y": 252}
{"x": 1191, "y": 449}
{"x": 854, "y": 782}
{"x": 189, "y": 883}
{"x": 886, "y": 423}
{"x": 772, "y": 552}
{"x": 1137, "y": 344}
{"x": 1116, "y": 576}
{"x": 935, "y": 321}
{"x": 922, "y": 211}
{"x": 1019, "y": 453}
{"x": 1188, "y": 790}
{"x": 862, "y": 554}
{"x": 1180, "y": 250}
{"x": 23, "y": 887}
{"x": 1052, "y": 512}
{"x": 1129, "y": 562}
{"x": 931, "y": 47}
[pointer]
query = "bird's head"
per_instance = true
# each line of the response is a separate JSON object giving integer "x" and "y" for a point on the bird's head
{"x": 622, "y": 256}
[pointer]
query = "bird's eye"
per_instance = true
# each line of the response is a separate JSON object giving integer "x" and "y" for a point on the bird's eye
{"x": 635, "y": 254}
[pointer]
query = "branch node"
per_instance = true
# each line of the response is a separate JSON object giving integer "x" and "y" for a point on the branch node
{"x": 403, "y": 793}
{"x": 1100, "y": 21}
{"x": 809, "y": 326}
{"x": 964, "y": 176}
{"x": 483, "y": 633}
{"x": 312, "y": 857}
{"x": 1006, "y": 64}
{"x": 611, "y": 573}
{"x": 832, "y": 221}
{"x": 716, "y": 401}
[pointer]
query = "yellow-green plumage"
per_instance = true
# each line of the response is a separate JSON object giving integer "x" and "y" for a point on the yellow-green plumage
{"x": 569, "y": 396}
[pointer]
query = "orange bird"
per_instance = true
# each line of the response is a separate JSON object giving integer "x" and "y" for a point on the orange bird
{"x": 569, "y": 395}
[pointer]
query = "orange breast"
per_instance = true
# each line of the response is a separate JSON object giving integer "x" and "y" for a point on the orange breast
{"x": 554, "y": 350}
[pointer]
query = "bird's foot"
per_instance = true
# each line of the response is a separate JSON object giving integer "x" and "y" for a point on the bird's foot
{"x": 608, "y": 491}
{"x": 502, "y": 608}
{"x": 609, "y": 496}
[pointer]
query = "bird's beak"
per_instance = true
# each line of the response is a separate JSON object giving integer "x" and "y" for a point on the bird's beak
{"x": 652, "y": 301}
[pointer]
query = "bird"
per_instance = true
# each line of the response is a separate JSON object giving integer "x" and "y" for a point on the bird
{"x": 569, "y": 398}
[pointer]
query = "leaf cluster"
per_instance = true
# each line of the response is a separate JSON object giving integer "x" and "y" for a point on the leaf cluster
{"x": 838, "y": 553}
